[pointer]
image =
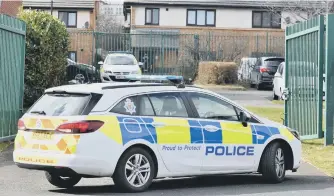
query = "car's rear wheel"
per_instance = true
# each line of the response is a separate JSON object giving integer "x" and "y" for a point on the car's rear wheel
{"x": 62, "y": 181}
{"x": 273, "y": 163}
{"x": 135, "y": 171}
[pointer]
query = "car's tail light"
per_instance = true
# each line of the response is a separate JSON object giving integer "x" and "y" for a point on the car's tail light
{"x": 21, "y": 126}
{"x": 79, "y": 127}
{"x": 263, "y": 69}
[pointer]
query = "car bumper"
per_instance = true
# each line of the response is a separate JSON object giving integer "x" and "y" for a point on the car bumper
{"x": 76, "y": 164}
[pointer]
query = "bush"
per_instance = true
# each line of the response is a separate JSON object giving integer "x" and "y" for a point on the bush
{"x": 47, "y": 42}
{"x": 212, "y": 72}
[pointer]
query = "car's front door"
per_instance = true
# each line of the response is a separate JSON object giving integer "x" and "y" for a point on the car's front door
{"x": 228, "y": 145}
{"x": 180, "y": 141}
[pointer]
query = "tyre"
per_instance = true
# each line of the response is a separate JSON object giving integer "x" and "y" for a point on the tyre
{"x": 62, "y": 182}
{"x": 275, "y": 97}
{"x": 135, "y": 171}
{"x": 273, "y": 163}
{"x": 259, "y": 86}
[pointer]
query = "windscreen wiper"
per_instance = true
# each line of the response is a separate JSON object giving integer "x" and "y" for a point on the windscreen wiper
{"x": 38, "y": 112}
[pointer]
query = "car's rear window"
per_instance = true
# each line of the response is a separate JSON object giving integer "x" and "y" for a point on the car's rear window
{"x": 273, "y": 62}
{"x": 60, "y": 105}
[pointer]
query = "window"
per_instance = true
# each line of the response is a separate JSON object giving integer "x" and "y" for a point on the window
{"x": 127, "y": 106}
{"x": 201, "y": 17}
{"x": 72, "y": 55}
{"x": 168, "y": 104}
{"x": 210, "y": 107}
{"x": 61, "y": 104}
{"x": 121, "y": 60}
{"x": 145, "y": 106}
{"x": 69, "y": 18}
{"x": 266, "y": 20}
{"x": 152, "y": 16}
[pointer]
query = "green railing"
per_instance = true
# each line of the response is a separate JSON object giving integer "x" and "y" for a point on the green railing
{"x": 171, "y": 51}
{"x": 309, "y": 53}
{"x": 12, "y": 57}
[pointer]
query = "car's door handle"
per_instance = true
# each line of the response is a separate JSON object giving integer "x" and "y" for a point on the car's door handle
{"x": 211, "y": 128}
{"x": 158, "y": 124}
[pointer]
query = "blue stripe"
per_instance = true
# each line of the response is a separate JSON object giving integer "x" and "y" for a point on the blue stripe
{"x": 212, "y": 137}
{"x": 254, "y": 135}
{"x": 262, "y": 131}
{"x": 195, "y": 132}
{"x": 136, "y": 128}
{"x": 274, "y": 130}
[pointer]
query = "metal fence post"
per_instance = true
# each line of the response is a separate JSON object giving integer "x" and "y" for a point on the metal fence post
{"x": 329, "y": 79}
{"x": 320, "y": 75}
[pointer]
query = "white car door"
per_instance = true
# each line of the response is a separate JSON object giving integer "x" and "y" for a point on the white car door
{"x": 228, "y": 145}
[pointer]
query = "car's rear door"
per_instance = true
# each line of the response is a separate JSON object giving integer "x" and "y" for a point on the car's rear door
{"x": 228, "y": 144}
{"x": 180, "y": 140}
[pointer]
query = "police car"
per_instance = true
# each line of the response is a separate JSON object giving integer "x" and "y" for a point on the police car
{"x": 135, "y": 132}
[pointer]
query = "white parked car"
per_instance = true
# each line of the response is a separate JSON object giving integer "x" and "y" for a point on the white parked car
{"x": 117, "y": 65}
{"x": 137, "y": 132}
{"x": 306, "y": 77}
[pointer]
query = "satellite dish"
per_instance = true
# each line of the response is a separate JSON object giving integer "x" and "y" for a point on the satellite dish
{"x": 86, "y": 25}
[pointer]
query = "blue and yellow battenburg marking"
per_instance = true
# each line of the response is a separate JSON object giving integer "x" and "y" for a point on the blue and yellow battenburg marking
{"x": 123, "y": 129}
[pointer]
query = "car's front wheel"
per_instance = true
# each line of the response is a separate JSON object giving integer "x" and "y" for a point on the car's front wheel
{"x": 273, "y": 163}
{"x": 135, "y": 171}
{"x": 62, "y": 181}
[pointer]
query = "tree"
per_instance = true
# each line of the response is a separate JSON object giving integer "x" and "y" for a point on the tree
{"x": 294, "y": 11}
{"x": 108, "y": 24}
{"x": 47, "y": 42}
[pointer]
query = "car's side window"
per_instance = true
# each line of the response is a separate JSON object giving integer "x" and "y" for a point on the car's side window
{"x": 145, "y": 106}
{"x": 168, "y": 104}
{"x": 127, "y": 106}
{"x": 210, "y": 107}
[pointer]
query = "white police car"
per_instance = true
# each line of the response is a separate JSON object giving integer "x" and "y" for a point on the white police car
{"x": 118, "y": 65}
{"x": 137, "y": 132}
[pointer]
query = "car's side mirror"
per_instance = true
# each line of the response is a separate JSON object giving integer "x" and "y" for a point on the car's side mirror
{"x": 100, "y": 63}
{"x": 277, "y": 74}
{"x": 244, "y": 118}
{"x": 140, "y": 64}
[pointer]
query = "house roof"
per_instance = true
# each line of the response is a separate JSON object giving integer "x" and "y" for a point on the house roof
{"x": 59, "y": 3}
{"x": 230, "y": 3}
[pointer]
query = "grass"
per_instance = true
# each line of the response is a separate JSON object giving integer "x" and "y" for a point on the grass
{"x": 280, "y": 102}
{"x": 3, "y": 145}
{"x": 314, "y": 151}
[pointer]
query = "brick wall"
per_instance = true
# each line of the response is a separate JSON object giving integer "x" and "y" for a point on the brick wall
{"x": 10, "y": 7}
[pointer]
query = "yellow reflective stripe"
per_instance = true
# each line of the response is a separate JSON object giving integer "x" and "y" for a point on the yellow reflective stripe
{"x": 174, "y": 131}
{"x": 287, "y": 134}
{"x": 110, "y": 127}
{"x": 235, "y": 133}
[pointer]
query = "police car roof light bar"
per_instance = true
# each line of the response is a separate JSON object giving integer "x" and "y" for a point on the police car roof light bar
{"x": 175, "y": 80}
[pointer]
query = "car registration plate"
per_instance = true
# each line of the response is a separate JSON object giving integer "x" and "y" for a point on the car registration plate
{"x": 120, "y": 77}
{"x": 42, "y": 135}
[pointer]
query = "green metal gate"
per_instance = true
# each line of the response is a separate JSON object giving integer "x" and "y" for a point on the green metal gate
{"x": 303, "y": 77}
{"x": 12, "y": 57}
{"x": 309, "y": 54}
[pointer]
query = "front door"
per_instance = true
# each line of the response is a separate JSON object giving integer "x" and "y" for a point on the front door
{"x": 180, "y": 141}
{"x": 228, "y": 145}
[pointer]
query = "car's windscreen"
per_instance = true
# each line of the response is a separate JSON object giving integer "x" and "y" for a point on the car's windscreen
{"x": 120, "y": 60}
{"x": 60, "y": 105}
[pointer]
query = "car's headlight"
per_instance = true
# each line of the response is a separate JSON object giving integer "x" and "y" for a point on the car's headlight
{"x": 294, "y": 132}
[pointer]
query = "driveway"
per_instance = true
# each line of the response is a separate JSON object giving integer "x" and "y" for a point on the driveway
{"x": 250, "y": 97}
{"x": 308, "y": 181}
